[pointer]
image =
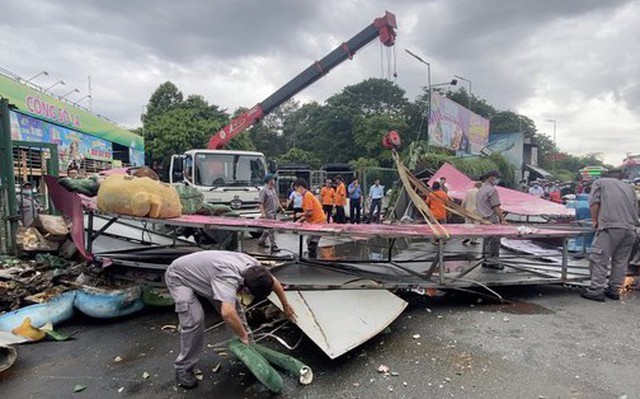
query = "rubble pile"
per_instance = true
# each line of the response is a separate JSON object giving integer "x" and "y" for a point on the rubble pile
{"x": 27, "y": 281}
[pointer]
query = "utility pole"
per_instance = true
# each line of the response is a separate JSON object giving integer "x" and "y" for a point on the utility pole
{"x": 555, "y": 145}
{"x": 429, "y": 88}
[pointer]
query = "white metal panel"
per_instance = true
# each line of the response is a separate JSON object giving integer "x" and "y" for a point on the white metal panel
{"x": 338, "y": 321}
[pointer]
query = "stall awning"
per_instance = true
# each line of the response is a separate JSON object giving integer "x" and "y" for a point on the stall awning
{"x": 513, "y": 201}
{"x": 543, "y": 173}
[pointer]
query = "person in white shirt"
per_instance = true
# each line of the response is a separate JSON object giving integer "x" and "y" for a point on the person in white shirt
{"x": 537, "y": 190}
{"x": 376, "y": 193}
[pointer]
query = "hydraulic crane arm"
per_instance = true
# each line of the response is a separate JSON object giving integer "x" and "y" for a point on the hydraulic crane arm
{"x": 383, "y": 27}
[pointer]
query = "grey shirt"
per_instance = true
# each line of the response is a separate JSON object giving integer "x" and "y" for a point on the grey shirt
{"x": 269, "y": 198}
{"x": 487, "y": 199}
{"x": 618, "y": 204}
{"x": 215, "y": 275}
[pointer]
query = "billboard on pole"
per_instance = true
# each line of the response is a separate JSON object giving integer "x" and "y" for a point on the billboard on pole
{"x": 454, "y": 127}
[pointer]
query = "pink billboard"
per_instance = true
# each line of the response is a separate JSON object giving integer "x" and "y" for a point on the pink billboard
{"x": 455, "y": 128}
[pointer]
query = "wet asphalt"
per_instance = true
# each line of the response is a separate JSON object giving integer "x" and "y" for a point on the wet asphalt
{"x": 547, "y": 343}
{"x": 543, "y": 342}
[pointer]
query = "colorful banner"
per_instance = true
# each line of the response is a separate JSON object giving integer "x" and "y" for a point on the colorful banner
{"x": 48, "y": 108}
{"x": 510, "y": 146}
{"x": 455, "y": 128}
{"x": 136, "y": 157}
{"x": 72, "y": 145}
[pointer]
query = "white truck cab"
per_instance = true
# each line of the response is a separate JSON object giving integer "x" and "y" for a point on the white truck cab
{"x": 225, "y": 177}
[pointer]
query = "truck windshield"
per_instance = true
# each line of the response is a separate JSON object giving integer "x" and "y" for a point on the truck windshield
{"x": 213, "y": 170}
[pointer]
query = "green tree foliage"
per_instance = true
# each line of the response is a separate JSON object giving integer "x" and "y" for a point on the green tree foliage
{"x": 298, "y": 156}
{"x": 166, "y": 97}
{"x": 510, "y": 122}
{"x": 178, "y": 130}
{"x": 268, "y": 134}
{"x": 173, "y": 125}
{"x": 477, "y": 105}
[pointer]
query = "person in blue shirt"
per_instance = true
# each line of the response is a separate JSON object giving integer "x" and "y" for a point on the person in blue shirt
{"x": 376, "y": 193}
{"x": 355, "y": 200}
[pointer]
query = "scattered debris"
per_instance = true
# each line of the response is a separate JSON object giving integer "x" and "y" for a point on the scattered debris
{"x": 117, "y": 359}
{"x": 28, "y": 331}
{"x": 120, "y": 389}
{"x": 169, "y": 327}
{"x": 216, "y": 368}
{"x": 356, "y": 384}
{"x": 416, "y": 336}
{"x": 79, "y": 388}
{"x": 404, "y": 383}
{"x": 8, "y": 356}
{"x": 383, "y": 369}
{"x": 145, "y": 375}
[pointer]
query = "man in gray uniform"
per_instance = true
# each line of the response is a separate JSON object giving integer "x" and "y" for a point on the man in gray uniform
{"x": 614, "y": 211}
{"x": 28, "y": 206}
{"x": 219, "y": 276}
{"x": 269, "y": 206}
{"x": 488, "y": 207}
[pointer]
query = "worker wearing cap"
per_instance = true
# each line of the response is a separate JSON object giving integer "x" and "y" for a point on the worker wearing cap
{"x": 28, "y": 206}
{"x": 489, "y": 208}
{"x": 312, "y": 213}
{"x": 269, "y": 206}
{"x": 221, "y": 277}
{"x": 614, "y": 211}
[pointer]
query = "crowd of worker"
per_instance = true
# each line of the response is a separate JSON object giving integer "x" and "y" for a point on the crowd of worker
{"x": 333, "y": 199}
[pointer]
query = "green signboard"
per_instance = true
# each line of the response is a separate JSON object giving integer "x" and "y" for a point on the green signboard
{"x": 46, "y": 107}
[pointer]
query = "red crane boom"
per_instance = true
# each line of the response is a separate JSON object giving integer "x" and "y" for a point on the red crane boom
{"x": 383, "y": 27}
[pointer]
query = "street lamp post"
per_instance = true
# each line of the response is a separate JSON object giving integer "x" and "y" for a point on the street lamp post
{"x": 45, "y": 73}
{"x": 60, "y": 82}
{"x": 453, "y": 82}
{"x": 429, "y": 90}
{"x": 70, "y": 92}
{"x": 555, "y": 145}
{"x": 82, "y": 99}
{"x": 469, "y": 96}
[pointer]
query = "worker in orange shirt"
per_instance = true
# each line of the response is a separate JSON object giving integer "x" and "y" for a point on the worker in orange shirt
{"x": 436, "y": 201}
{"x": 312, "y": 213}
{"x": 340, "y": 200}
{"x": 327, "y": 198}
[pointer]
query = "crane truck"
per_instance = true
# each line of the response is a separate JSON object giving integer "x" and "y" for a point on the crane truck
{"x": 233, "y": 178}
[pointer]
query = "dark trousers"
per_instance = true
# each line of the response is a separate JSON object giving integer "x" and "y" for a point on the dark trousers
{"x": 376, "y": 204}
{"x": 491, "y": 245}
{"x": 354, "y": 210}
{"x": 340, "y": 216}
{"x": 328, "y": 209}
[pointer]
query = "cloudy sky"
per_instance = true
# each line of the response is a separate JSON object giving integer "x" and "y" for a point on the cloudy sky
{"x": 575, "y": 61}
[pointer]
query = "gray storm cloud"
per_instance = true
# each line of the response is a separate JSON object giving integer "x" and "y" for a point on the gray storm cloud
{"x": 548, "y": 59}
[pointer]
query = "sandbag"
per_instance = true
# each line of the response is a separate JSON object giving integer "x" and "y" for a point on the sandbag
{"x": 191, "y": 198}
{"x": 138, "y": 196}
{"x": 54, "y": 228}
{"x": 88, "y": 186}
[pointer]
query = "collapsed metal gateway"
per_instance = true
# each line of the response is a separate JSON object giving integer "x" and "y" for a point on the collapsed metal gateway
{"x": 21, "y": 162}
